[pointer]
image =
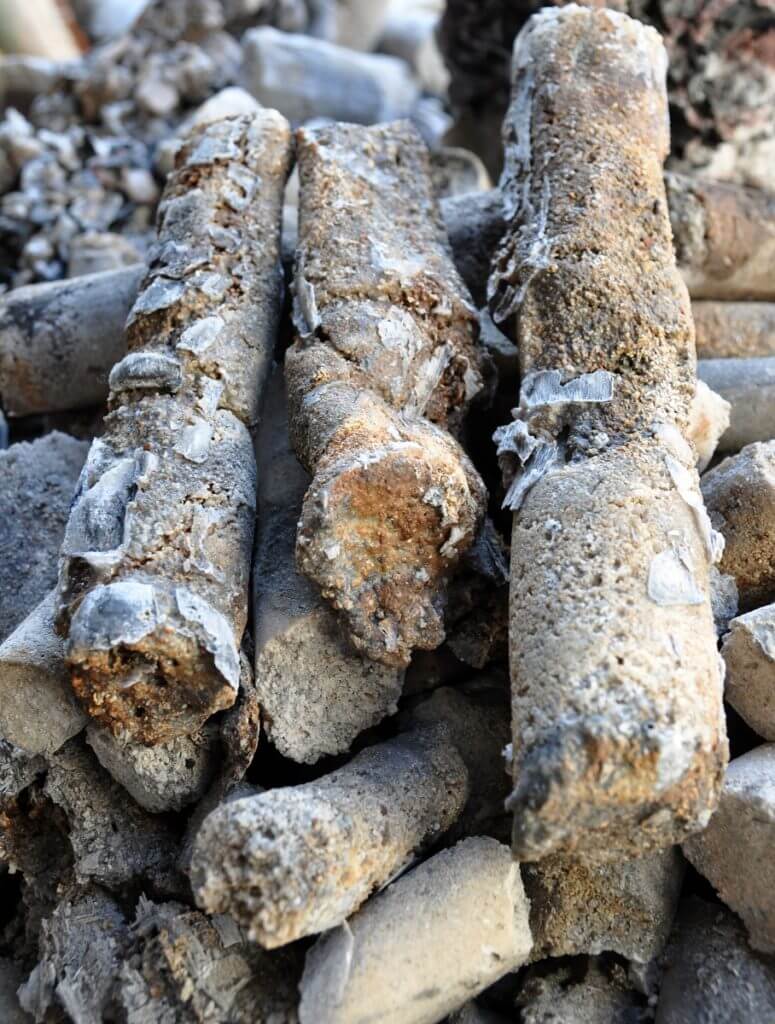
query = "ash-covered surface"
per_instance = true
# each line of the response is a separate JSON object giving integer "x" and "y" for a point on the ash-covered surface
{"x": 368, "y": 667}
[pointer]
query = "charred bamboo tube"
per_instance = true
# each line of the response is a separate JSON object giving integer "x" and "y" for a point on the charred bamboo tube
{"x": 734, "y": 329}
{"x": 724, "y": 238}
{"x": 401, "y": 960}
{"x": 59, "y": 340}
{"x": 749, "y": 387}
{"x": 618, "y": 735}
{"x": 295, "y": 861}
{"x": 386, "y": 359}
{"x": 153, "y": 587}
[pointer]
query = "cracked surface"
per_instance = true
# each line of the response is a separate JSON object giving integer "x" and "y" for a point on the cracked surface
{"x": 153, "y": 587}
{"x": 385, "y": 363}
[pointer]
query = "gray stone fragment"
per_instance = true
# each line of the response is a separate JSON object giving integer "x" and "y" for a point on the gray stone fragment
{"x": 184, "y": 967}
{"x": 38, "y": 710}
{"x": 625, "y": 907}
{"x": 11, "y": 976}
{"x": 749, "y": 387}
{"x": 316, "y": 692}
{"x": 308, "y": 78}
{"x": 735, "y": 851}
{"x": 37, "y": 481}
{"x": 166, "y": 777}
{"x": 410, "y": 33}
{"x": 82, "y": 946}
{"x": 97, "y": 252}
{"x": 574, "y": 992}
{"x": 711, "y": 975}
{"x": 17, "y": 769}
{"x": 114, "y": 841}
{"x": 749, "y": 654}
{"x": 740, "y": 497}
{"x": 434, "y": 939}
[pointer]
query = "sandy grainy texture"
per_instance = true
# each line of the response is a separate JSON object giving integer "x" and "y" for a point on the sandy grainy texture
{"x": 153, "y": 587}
{"x": 317, "y": 692}
{"x": 734, "y": 329}
{"x": 740, "y": 496}
{"x": 618, "y": 730}
{"x": 626, "y": 907}
{"x": 749, "y": 654}
{"x": 735, "y": 851}
{"x": 295, "y": 861}
{"x": 385, "y": 361}
{"x": 59, "y": 341}
{"x": 724, "y": 238}
{"x": 166, "y": 777}
{"x": 37, "y": 482}
{"x": 711, "y": 974}
{"x": 399, "y": 962}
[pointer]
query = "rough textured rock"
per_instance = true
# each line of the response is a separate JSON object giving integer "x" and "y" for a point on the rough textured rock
{"x": 724, "y": 238}
{"x": 734, "y": 329}
{"x": 748, "y": 385}
{"x": 740, "y": 496}
{"x": 749, "y": 655}
{"x": 386, "y": 358}
{"x": 735, "y": 851}
{"x": 82, "y": 947}
{"x": 577, "y": 992}
{"x": 618, "y": 730}
{"x": 37, "y": 481}
{"x": 625, "y": 907}
{"x": 153, "y": 587}
{"x": 298, "y": 860}
{"x": 307, "y": 78}
{"x": 186, "y": 968}
{"x": 711, "y": 976}
{"x": 172, "y": 965}
{"x": 381, "y": 966}
{"x": 317, "y": 693}
{"x": 59, "y": 340}
{"x": 114, "y": 841}
{"x": 166, "y": 777}
{"x": 38, "y": 710}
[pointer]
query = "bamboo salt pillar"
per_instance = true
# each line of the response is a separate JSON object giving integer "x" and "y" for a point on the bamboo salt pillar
{"x": 386, "y": 359}
{"x": 153, "y": 587}
{"x": 618, "y": 735}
